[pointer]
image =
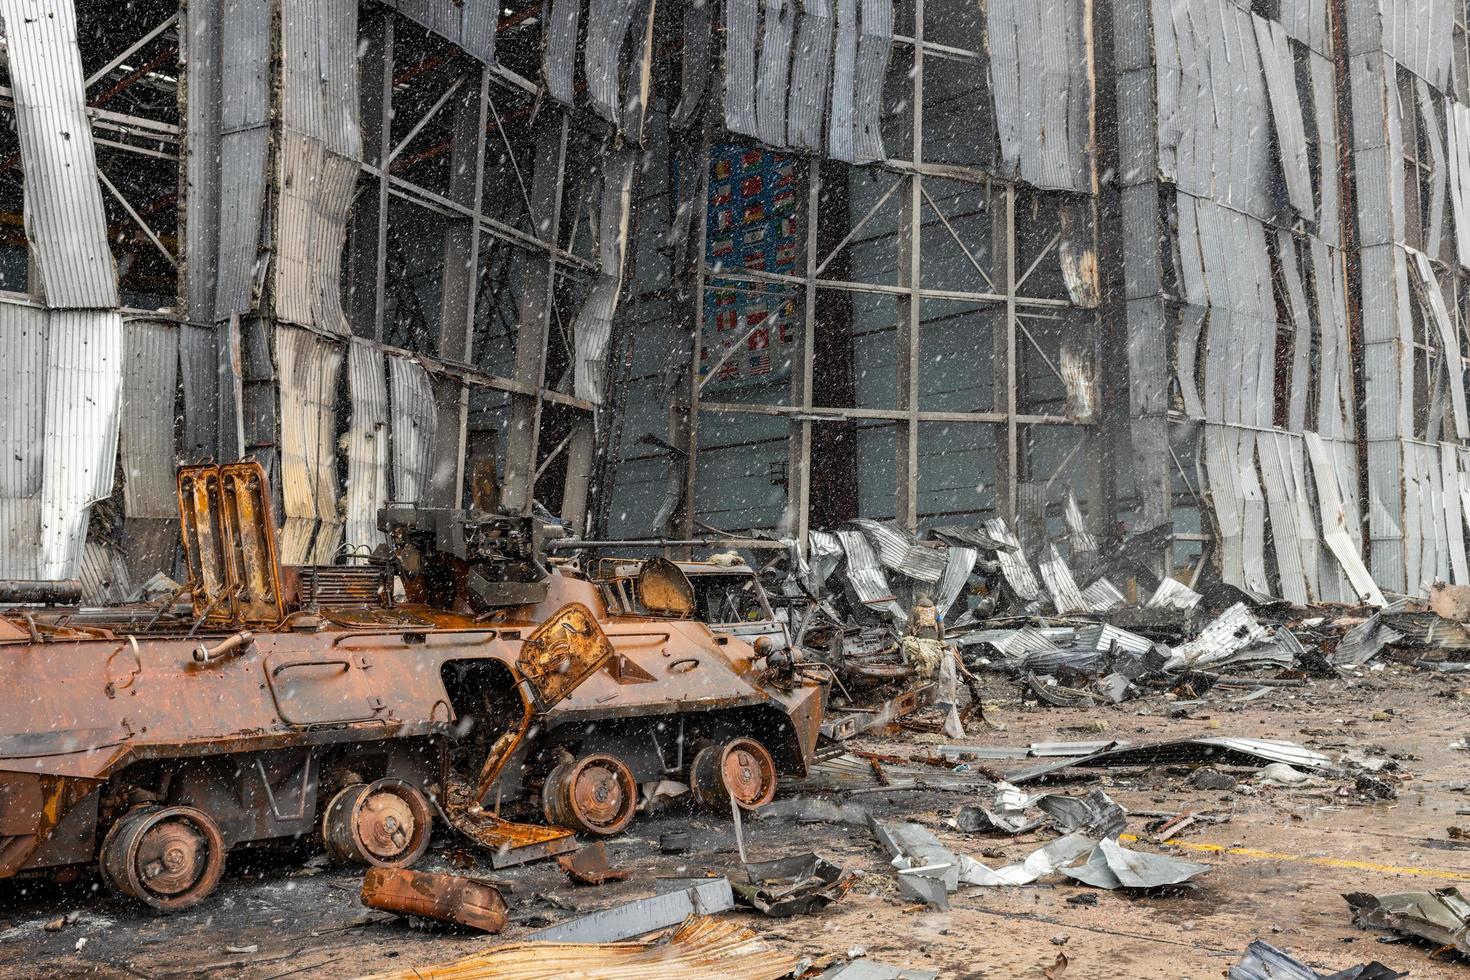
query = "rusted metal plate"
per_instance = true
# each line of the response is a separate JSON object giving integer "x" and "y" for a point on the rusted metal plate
{"x": 510, "y": 843}
{"x": 664, "y": 589}
{"x": 562, "y": 652}
{"x": 204, "y": 538}
{"x": 312, "y": 689}
{"x": 245, "y": 497}
{"x": 589, "y": 866}
{"x": 445, "y": 897}
{"x": 229, "y": 536}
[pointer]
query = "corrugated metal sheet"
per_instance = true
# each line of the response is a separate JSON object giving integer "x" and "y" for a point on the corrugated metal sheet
{"x": 742, "y": 20}
{"x": 1060, "y": 584}
{"x": 1417, "y": 34}
{"x": 84, "y": 355}
{"x": 367, "y": 445}
{"x": 477, "y": 29}
{"x": 1432, "y": 304}
{"x": 592, "y": 330}
{"x": 1040, "y": 74}
{"x": 1286, "y": 111}
{"x": 607, "y": 29}
{"x": 1454, "y": 489}
{"x": 1081, "y": 541}
{"x": 1233, "y": 630}
{"x": 875, "y": 45}
{"x": 245, "y": 86}
{"x": 1457, "y": 132}
{"x": 104, "y": 575}
{"x": 1334, "y": 522}
{"x": 898, "y": 551}
{"x": 200, "y": 53}
{"x": 1016, "y": 644}
{"x": 1103, "y": 596}
{"x": 415, "y": 418}
{"x": 319, "y": 156}
{"x": 866, "y": 577}
{"x": 559, "y": 59}
{"x": 844, "y": 76}
{"x": 22, "y": 438}
{"x": 1294, "y": 546}
{"x": 64, "y": 219}
{"x": 1104, "y": 636}
{"x": 773, "y": 79}
{"x": 958, "y": 564}
{"x": 309, "y": 366}
{"x": 150, "y": 376}
{"x": 1429, "y": 136}
{"x": 467, "y": 23}
{"x": 811, "y": 68}
{"x": 1173, "y": 594}
{"x": 1013, "y": 564}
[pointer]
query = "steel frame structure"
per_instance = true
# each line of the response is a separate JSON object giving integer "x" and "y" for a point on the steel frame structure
{"x": 1002, "y": 289}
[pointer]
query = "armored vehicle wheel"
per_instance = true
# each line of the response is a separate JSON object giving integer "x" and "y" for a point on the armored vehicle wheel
{"x": 167, "y": 857}
{"x": 741, "y": 768}
{"x": 386, "y": 824}
{"x": 595, "y": 794}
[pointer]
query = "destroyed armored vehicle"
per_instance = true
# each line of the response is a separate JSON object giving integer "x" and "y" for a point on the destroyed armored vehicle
{"x": 280, "y": 701}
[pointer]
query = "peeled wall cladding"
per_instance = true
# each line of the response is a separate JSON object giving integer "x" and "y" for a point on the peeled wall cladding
{"x": 790, "y": 66}
{"x": 308, "y": 365}
{"x": 60, "y": 420}
{"x": 1401, "y": 101}
{"x": 1208, "y": 186}
{"x": 319, "y": 156}
{"x": 1042, "y": 76}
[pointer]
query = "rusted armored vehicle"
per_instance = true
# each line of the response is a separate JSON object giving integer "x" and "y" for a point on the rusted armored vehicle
{"x": 277, "y": 702}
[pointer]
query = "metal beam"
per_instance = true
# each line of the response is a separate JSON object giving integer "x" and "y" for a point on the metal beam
{"x": 129, "y": 51}
{"x": 1003, "y": 360}
{"x": 537, "y": 296}
{"x": 910, "y": 305}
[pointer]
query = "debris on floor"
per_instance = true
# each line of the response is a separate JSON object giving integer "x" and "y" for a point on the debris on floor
{"x": 1110, "y": 865}
{"x": 1262, "y": 961}
{"x": 794, "y": 885}
{"x": 588, "y": 865}
{"x": 688, "y": 951}
{"x": 1441, "y": 916}
{"x": 427, "y": 895}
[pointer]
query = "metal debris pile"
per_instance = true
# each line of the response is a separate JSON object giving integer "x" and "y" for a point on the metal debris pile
{"x": 1090, "y": 630}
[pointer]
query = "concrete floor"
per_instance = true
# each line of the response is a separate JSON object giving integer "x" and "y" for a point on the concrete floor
{"x": 1280, "y": 866}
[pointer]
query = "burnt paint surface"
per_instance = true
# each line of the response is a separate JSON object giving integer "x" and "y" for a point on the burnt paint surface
{"x": 90, "y": 701}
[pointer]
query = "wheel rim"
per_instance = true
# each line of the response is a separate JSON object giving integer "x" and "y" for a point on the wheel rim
{"x": 385, "y": 824}
{"x": 167, "y": 857}
{"x": 749, "y": 773}
{"x": 705, "y": 783}
{"x": 741, "y": 770}
{"x": 171, "y": 857}
{"x": 596, "y": 794}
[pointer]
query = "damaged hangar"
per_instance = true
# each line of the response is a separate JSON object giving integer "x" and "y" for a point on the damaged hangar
{"x": 1186, "y": 269}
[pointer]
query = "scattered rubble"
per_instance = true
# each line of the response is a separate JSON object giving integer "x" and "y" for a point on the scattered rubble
{"x": 795, "y": 885}
{"x": 685, "y": 952}
{"x": 443, "y": 897}
{"x": 1263, "y": 961}
{"x": 1110, "y": 865}
{"x": 1441, "y": 916}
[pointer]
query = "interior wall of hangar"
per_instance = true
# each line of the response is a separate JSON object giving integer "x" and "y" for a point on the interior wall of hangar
{"x": 919, "y": 324}
{"x": 393, "y": 261}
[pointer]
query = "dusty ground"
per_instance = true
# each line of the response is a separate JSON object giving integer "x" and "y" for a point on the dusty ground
{"x": 1281, "y": 864}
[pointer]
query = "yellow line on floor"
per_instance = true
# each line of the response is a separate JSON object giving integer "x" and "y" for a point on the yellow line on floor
{"x": 1251, "y": 852}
